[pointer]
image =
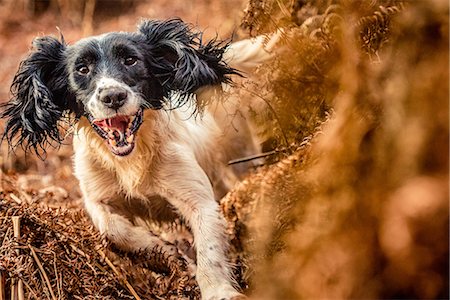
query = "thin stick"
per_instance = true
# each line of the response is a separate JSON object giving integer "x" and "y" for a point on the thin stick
{"x": 16, "y": 199}
{"x": 111, "y": 265}
{"x": 79, "y": 251}
{"x": 6, "y": 235}
{"x": 20, "y": 294}
{"x": 19, "y": 288}
{"x": 13, "y": 289}
{"x": 2, "y": 286}
{"x": 31, "y": 290}
{"x": 41, "y": 268}
{"x": 16, "y": 228}
{"x": 56, "y": 275}
{"x": 252, "y": 157}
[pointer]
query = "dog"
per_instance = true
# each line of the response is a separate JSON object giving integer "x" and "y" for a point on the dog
{"x": 144, "y": 147}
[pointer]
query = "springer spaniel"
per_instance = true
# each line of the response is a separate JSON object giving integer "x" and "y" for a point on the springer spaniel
{"x": 141, "y": 151}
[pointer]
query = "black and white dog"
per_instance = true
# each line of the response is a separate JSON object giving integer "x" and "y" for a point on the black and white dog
{"x": 139, "y": 152}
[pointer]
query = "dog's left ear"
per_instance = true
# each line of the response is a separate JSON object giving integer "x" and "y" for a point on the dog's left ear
{"x": 40, "y": 97}
{"x": 180, "y": 60}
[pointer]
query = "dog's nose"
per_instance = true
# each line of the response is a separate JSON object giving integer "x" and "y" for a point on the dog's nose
{"x": 113, "y": 97}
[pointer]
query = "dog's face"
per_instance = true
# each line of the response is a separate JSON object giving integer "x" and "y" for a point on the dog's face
{"x": 113, "y": 82}
{"x": 110, "y": 79}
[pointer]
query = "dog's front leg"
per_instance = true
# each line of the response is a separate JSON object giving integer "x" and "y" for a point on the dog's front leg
{"x": 121, "y": 232}
{"x": 186, "y": 186}
{"x": 102, "y": 196}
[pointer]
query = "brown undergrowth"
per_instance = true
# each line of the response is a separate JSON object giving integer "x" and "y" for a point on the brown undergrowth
{"x": 362, "y": 210}
{"x": 59, "y": 255}
{"x": 353, "y": 204}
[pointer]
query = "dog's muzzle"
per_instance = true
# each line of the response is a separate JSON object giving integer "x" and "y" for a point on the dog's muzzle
{"x": 119, "y": 131}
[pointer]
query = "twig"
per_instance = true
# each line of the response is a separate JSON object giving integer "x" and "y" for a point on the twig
{"x": 111, "y": 265}
{"x": 56, "y": 275}
{"x": 2, "y": 286}
{"x": 77, "y": 250}
{"x": 16, "y": 199}
{"x": 41, "y": 268}
{"x": 31, "y": 290}
{"x": 13, "y": 289}
{"x": 17, "y": 290}
{"x": 252, "y": 157}
{"x": 16, "y": 229}
{"x": 80, "y": 252}
{"x": 6, "y": 235}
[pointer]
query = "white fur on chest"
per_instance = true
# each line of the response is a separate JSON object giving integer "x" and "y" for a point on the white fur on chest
{"x": 162, "y": 137}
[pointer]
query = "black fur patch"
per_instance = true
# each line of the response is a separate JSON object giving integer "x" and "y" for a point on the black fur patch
{"x": 39, "y": 98}
{"x": 180, "y": 60}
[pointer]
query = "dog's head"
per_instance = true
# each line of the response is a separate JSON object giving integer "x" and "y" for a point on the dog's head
{"x": 110, "y": 79}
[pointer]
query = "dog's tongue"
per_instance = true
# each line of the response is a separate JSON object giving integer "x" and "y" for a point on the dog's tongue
{"x": 120, "y": 123}
{"x": 118, "y": 132}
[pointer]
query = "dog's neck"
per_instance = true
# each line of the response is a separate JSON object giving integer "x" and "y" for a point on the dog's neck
{"x": 131, "y": 169}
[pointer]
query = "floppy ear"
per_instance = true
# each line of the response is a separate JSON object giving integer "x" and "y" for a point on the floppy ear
{"x": 179, "y": 59}
{"x": 40, "y": 97}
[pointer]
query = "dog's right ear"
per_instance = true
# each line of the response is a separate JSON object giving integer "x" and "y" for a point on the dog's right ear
{"x": 180, "y": 60}
{"x": 40, "y": 96}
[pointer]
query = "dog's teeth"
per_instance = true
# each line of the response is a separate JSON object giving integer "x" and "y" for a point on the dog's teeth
{"x": 130, "y": 139}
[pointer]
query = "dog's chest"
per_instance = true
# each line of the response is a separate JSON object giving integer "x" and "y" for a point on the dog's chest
{"x": 139, "y": 186}
{"x": 136, "y": 178}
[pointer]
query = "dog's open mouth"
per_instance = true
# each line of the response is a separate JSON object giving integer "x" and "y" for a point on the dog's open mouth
{"x": 119, "y": 132}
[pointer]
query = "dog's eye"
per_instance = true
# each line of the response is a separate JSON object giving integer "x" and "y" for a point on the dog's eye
{"x": 83, "y": 69}
{"x": 130, "y": 61}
